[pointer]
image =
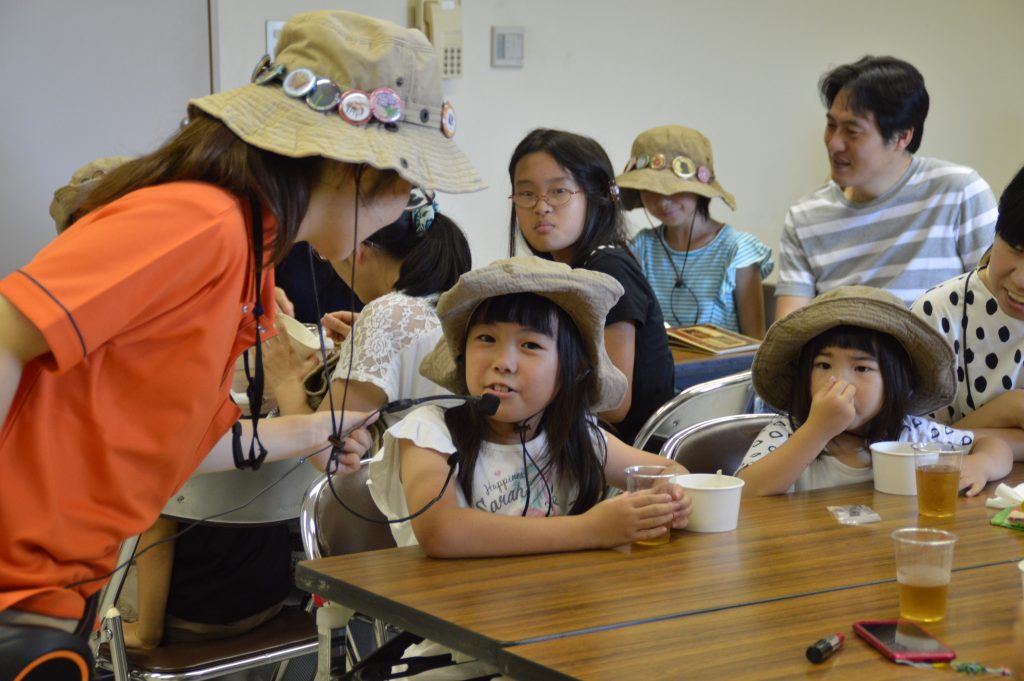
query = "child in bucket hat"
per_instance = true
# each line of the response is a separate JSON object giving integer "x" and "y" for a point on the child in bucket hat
{"x": 529, "y": 332}
{"x": 122, "y": 333}
{"x": 703, "y": 271}
{"x": 853, "y": 368}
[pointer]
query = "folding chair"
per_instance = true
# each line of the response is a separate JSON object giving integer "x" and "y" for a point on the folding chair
{"x": 715, "y": 444}
{"x": 290, "y": 634}
{"x": 733, "y": 394}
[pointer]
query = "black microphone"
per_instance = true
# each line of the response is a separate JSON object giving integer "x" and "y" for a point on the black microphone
{"x": 488, "y": 403}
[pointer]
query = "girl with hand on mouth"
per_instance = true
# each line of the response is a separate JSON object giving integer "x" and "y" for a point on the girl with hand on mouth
{"x": 565, "y": 206}
{"x": 981, "y": 315}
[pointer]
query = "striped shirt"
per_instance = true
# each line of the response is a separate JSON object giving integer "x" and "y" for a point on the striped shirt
{"x": 707, "y": 293}
{"x": 933, "y": 225}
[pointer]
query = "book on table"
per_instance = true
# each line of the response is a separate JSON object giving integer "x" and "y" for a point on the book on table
{"x": 710, "y": 339}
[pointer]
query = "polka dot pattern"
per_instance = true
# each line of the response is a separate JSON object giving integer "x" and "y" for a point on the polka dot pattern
{"x": 987, "y": 343}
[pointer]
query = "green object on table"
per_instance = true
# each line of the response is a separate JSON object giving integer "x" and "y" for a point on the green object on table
{"x": 999, "y": 519}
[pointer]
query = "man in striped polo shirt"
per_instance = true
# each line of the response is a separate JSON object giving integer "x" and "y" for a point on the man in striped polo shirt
{"x": 887, "y": 218}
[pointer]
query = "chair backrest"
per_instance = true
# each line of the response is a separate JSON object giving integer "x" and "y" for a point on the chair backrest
{"x": 328, "y": 529}
{"x": 733, "y": 394}
{"x": 715, "y": 444}
{"x": 270, "y": 495}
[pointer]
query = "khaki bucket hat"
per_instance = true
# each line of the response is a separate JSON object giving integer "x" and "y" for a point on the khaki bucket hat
{"x": 775, "y": 363}
{"x": 353, "y": 89}
{"x": 68, "y": 199}
{"x": 667, "y": 160}
{"x": 585, "y": 295}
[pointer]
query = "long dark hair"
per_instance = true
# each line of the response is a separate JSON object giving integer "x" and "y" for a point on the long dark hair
{"x": 571, "y": 431}
{"x": 590, "y": 167}
{"x": 206, "y": 150}
{"x": 893, "y": 365}
{"x": 432, "y": 261}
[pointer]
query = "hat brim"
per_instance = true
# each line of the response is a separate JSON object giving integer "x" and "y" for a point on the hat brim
{"x": 664, "y": 181}
{"x": 775, "y": 363}
{"x": 265, "y": 117}
{"x": 586, "y": 296}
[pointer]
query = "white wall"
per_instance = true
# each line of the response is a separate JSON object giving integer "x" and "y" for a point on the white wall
{"x": 83, "y": 80}
{"x": 742, "y": 71}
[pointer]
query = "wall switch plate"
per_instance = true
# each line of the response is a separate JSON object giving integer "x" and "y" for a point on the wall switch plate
{"x": 507, "y": 50}
{"x": 273, "y": 31}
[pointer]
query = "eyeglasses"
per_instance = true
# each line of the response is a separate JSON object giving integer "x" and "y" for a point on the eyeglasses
{"x": 554, "y": 198}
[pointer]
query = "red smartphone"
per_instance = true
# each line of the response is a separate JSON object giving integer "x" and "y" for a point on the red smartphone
{"x": 903, "y": 640}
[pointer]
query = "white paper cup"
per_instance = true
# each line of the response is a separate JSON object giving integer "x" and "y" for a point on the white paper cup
{"x": 716, "y": 501}
{"x": 304, "y": 341}
{"x": 893, "y": 466}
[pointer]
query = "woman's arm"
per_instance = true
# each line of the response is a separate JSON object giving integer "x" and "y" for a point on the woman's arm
{"x": 295, "y": 436}
{"x": 1001, "y": 417}
{"x": 749, "y": 296}
{"x": 362, "y": 396}
{"x": 831, "y": 413}
{"x": 153, "y": 569}
{"x": 20, "y": 342}
{"x": 620, "y": 342}
{"x": 990, "y": 459}
{"x": 449, "y": 531}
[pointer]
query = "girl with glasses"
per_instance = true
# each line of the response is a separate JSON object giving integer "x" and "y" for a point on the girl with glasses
{"x": 565, "y": 206}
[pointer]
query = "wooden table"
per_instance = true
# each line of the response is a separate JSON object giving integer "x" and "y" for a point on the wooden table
{"x": 785, "y": 548}
{"x": 768, "y": 640}
{"x": 692, "y": 368}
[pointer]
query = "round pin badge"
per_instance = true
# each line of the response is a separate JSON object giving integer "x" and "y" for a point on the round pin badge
{"x": 261, "y": 65}
{"x": 299, "y": 83}
{"x": 271, "y": 74}
{"x": 642, "y": 161}
{"x": 683, "y": 168}
{"x": 355, "y": 107}
{"x": 386, "y": 105}
{"x": 658, "y": 161}
{"x": 448, "y": 119}
{"x": 325, "y": 96}
{"x": 704, "y": 174}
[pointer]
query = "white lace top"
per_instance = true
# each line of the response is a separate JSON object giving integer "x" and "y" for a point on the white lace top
{"x": 392, "y": 336}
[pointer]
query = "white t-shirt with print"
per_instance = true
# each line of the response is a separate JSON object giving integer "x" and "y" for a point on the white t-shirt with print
{"x": 828, "y": 471}
{"x": 499, "y": 481}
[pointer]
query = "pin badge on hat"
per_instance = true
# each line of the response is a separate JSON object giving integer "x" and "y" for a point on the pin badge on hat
{"x": 325, "y": 95}
{"x": 704, "y": 174}
{"x": 299, "y": 83}
{"x": 657, "y": 161}
{"x": 683, "y": 168}
{"x": 261, "y": 66}
{"x": 448, "y": 119}
{"x": 355, "y": 107}
{"x": 269, "y": 75}
{"x": 386, "y": 105}
{"x": 642, "y": 161}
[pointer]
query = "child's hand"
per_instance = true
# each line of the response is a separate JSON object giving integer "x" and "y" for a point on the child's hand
{"x": 832, "y": 406}
{"x": 973, "y": 476}
{"x": 634, "y": 516}
{"x": 338, "y": 325}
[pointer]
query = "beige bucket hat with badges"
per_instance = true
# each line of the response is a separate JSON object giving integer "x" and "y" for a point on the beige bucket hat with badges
{"x": 69, "y": 198}
{"x": 775, "y": 363}
{"x": 585, "y": 295}
{"x": 667, "y": 160}
{"x": 353, "y": 89}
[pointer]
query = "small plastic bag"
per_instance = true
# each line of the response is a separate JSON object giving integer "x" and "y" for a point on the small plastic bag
{"x": 854, "y": 514}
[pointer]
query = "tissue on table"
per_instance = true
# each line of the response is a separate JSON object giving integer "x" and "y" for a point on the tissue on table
{"x": 1006, "y": 496}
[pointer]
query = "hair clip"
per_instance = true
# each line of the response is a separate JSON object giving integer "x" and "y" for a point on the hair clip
{"x": 423, "y": 216}
{"x": 614, "y": 191}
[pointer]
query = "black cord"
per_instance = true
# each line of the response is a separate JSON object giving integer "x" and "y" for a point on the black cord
{"x": 680, "y": 281}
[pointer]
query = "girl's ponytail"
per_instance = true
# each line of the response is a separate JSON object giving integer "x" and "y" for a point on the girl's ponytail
{"x": 433, "y": 250}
